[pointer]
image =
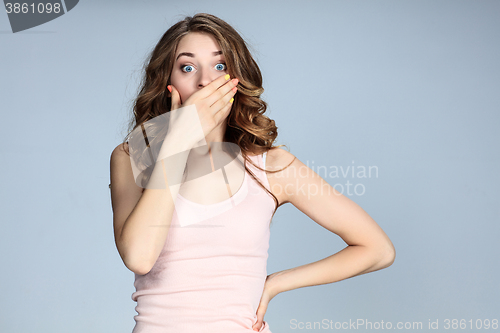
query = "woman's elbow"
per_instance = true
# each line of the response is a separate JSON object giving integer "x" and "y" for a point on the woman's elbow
{"x": 139, "y": 269}
{"x": 138, "y": 266}
{"x": 388, "y": 255}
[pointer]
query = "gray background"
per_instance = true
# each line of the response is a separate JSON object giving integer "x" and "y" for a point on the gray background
{"x": 410, "y": 87}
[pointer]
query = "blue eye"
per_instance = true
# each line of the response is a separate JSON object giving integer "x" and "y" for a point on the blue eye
{"x": 182, "y": 66}
{"x": 223, "y": 66}
{"x": 188, "y": 68}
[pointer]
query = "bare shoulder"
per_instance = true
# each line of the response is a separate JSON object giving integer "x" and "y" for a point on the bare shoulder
{"x": 118, "y": 160}
{"x": 278, "y": 163}
{"x": 120, "y": 152}
{"x": 278, "y": 158}
{"x": 121, "y": 173}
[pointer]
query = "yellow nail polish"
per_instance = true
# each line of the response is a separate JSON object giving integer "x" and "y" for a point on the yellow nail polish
{"x": 227, "y": 77}
{"x": 232, "y": 99}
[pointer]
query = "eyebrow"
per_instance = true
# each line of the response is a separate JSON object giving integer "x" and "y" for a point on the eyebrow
{"x": 189, "y": 54}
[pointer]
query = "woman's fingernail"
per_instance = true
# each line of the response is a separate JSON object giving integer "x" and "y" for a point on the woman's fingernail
{"x": 169, "y": 88}
{"x": 227, "y": 77}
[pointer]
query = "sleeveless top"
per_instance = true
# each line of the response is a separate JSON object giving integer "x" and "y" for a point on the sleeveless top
{"x": 210, "y": 274}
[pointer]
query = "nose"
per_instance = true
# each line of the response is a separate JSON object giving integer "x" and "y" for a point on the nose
{"x": 206, "y": 76}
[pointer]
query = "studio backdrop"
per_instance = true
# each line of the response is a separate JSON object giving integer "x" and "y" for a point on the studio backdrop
{"x": 394, "y": 103}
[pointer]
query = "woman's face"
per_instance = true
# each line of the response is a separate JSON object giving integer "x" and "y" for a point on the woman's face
{"x": 198, "y": 61}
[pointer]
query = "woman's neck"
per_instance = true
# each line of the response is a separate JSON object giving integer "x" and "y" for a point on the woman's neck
{"x": 217, "y": 134}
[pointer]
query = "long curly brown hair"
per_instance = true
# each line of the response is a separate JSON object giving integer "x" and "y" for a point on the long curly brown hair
{"x": 246, "y": 124}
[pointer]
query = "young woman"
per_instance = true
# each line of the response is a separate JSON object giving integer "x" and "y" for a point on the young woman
{"x": 209, "y": 275}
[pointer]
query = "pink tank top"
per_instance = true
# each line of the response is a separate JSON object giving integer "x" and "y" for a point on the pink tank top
{"x": 210, "y": 275}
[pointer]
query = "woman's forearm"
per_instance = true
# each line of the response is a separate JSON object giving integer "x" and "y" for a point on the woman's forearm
{"x": 351, "y": 261}
{"x": 144, "y": 232}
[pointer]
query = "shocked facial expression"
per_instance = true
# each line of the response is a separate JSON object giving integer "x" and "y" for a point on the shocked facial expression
{"x": 198, "y": 61}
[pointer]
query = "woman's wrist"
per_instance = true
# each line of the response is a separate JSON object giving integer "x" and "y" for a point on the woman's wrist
{"x": 274, "y": 284}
